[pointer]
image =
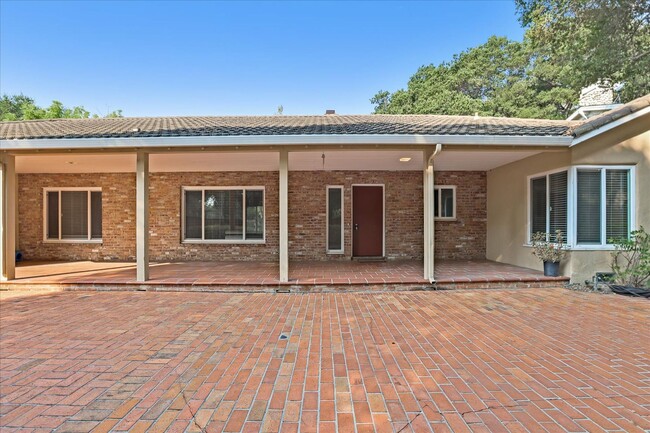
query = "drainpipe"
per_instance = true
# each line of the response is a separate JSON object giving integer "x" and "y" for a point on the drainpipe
{"x": 429, "y": 230}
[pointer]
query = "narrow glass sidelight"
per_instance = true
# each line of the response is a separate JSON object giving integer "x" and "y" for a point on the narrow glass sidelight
{"x": 334, "y": 219}
{"x": 254, "y": 214}
{"x": 588, "y": 219}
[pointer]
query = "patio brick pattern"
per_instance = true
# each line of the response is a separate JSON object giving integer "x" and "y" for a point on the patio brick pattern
{"x": 307, "y": 273}
{"x": 527, "y": 360}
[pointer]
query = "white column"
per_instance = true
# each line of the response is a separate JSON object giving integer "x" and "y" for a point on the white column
{"x": 429, "y": 233}
{"x": 8, "y": 206}
{"x": 284, "y": 216}
{"x": 142, "y": 216}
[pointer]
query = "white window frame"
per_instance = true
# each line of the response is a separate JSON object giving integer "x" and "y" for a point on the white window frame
{"x": 88, "y": 239}
{"x": 631, "y": 196}
{"x": 570, "y": 208}
{"x": 222, "y": 241}
{"x": 438, "y": 188}
{"x": 327, "y": 226}
{"x": 572, "y": 204}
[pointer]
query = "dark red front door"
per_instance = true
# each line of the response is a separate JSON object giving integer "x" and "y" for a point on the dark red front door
{"x": 367, "y": 221}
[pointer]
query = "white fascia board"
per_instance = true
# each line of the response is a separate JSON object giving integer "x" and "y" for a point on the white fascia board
{"x": 282, "y": 140}
{"x": 611, "y": 125}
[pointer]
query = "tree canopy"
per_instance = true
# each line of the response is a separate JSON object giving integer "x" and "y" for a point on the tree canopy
{"x": 21, "y": 107}
{"x": 568, "y": 44}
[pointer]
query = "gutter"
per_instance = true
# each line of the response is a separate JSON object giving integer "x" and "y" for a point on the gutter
{"x": 282, "y": 140}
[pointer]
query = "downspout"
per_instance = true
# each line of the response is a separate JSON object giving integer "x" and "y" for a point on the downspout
{"x": 429, "y": 217}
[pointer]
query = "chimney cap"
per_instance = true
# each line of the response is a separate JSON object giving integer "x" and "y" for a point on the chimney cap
{"x": 330, "y": 111}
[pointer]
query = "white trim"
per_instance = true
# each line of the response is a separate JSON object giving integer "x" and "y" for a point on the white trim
{"x": 383, "y": 193}
{"x": 611, "y": 125}
{"x": 282, "y": 140}
{"x": 88, "y": 239}
{"x": 327, "y": 226}
{"x": 439, "y": 187}
{"x": 203, "y": 240}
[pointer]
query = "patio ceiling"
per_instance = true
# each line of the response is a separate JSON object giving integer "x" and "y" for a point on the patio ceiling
{"x": 267, "y": 161}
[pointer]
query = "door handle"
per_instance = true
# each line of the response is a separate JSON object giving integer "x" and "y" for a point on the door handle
{"x": 356, "y": 226}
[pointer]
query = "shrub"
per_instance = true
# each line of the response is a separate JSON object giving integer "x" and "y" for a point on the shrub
{"x": 631, "y": 260}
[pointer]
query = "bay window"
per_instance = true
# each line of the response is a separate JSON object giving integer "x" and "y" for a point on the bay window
{"x": 592, "y": 205}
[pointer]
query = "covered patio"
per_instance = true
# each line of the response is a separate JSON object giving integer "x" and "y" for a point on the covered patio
{"x": 307, "y": 276}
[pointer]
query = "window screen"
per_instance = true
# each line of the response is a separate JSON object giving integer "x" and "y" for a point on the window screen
{"x": 557, "y": 188}
{"x": 617, "y": 204}
{"x": 538, "y": 205}
{"x": 335, "y": 219}
{"x": 588, "y": 206}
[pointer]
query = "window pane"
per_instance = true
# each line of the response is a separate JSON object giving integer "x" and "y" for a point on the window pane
{"x": 223, "y": 214}
{"x": 588, "y": 219}
{"x": 617, "y": 204}
{"x": 558, "y": 183}
{"x": 74, "y": 214}
{"x": 96, "y": 214}
{"x": 446, "y": 202}
{"x": 436, "y": 204}
{"x": 538, "y": 205}
{"x": 193, "y": 210}
{"x": 53, "y": 215}
{"x": 255, "y": 214}
{"x": 334, "y": 219}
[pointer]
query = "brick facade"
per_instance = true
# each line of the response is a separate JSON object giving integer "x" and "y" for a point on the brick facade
{"x": 463, "y": 238}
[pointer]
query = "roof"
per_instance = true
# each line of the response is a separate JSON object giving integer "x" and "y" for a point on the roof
{"x": 596, "y": 122}
{"x": 381, "y": 124}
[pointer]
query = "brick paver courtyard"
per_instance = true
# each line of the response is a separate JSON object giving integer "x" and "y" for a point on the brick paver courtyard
{"x": 509, "y": 360}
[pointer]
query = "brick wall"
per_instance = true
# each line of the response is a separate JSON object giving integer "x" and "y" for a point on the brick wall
{"x": 464, "y": 238}
{"x": 118, "y": 213}
{"x": 460, "y": 239}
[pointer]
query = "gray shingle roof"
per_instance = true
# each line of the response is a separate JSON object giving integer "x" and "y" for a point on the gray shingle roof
{"x": 281, "y": 125}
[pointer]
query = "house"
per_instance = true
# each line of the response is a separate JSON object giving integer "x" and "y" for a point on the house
{"x": 290, "y": 189}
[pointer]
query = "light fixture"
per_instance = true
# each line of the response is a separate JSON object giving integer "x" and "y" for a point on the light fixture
{"x": 405, "y": 159}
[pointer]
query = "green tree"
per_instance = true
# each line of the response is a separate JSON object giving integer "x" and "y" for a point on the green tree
{"x": 492, "y": 79}
{"x": 21, "y": 107}
{"x": 568, "y": 45}
{"x": 578, "y": 42}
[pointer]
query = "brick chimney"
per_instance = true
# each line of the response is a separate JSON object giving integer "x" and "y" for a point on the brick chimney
{"x": 600, "y": 93}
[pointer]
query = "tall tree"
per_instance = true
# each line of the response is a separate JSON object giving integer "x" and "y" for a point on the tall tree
{"x": 578, "y": 42}
{"x": 21, "y": 107}
{"x": 568, "y": 45}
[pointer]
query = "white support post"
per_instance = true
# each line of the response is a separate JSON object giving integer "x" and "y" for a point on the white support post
{"x": 429, "y": 217}
{"x": 8, "y": 206}
{"x": 284, "y": 216}
{"x": 142, "y": 216}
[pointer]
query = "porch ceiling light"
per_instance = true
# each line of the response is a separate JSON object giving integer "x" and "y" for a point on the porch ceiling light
{"x": 405, "y": 159}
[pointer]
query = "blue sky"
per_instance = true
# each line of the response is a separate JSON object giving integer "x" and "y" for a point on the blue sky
{"x": 219, "y": 58}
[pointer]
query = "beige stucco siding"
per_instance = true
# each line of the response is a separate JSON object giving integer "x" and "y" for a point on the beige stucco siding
{"x": 508, "y": 196}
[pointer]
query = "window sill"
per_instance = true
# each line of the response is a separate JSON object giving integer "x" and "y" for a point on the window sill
{"x": 225, "y": 242}
{"x": 335, "y": 253}
{"x": 445, "y": 219}
{"x": 73, "y": 241}
{"x": 584, "y": 247}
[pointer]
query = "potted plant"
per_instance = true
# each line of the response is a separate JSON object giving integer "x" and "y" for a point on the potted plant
{"x": 631, "y": 264}
{"x": 549, "y": 252}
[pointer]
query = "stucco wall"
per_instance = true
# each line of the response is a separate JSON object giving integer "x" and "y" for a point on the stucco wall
{"x": 508, "y": 201}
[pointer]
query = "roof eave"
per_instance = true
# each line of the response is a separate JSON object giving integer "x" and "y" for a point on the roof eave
{"x": 283, "y": 140}
{"x": 610, "y": 125}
